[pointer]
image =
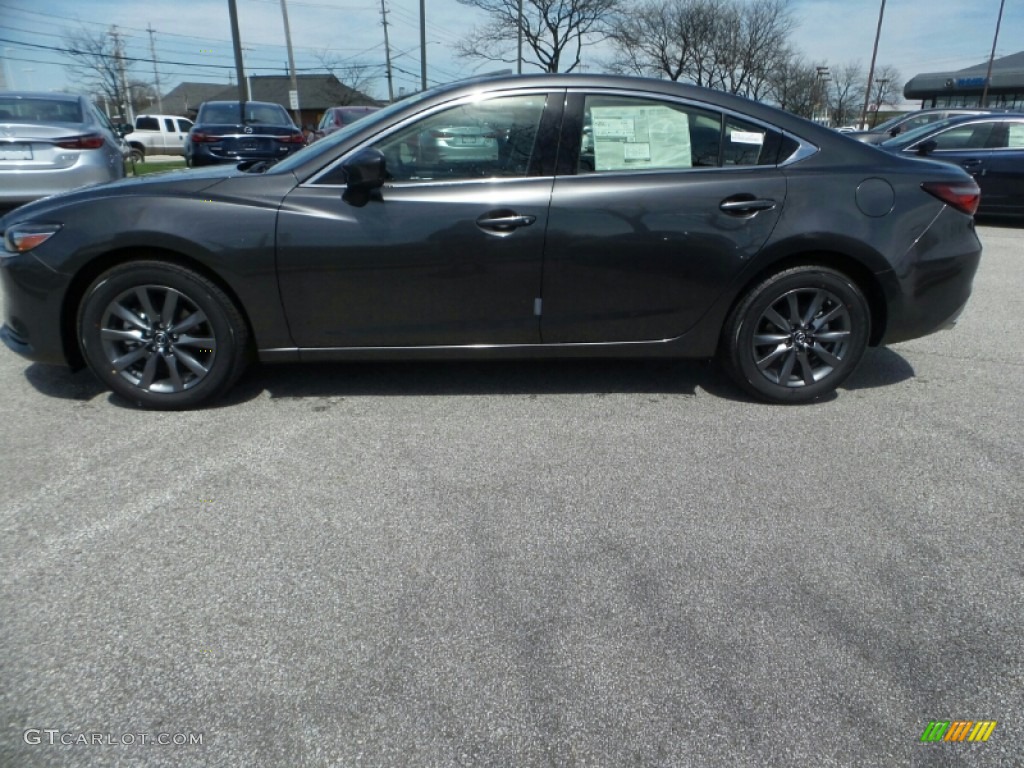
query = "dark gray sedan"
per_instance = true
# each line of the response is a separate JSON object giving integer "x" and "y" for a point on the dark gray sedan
{"x": 613, "y": 217}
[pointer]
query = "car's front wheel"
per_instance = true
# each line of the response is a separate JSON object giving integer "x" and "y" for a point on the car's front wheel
{"x": 797, "y": 335}
{"x": 161, "y": 335}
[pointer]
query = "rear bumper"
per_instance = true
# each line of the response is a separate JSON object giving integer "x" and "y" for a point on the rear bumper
{"x": 930, "y": 286}
{"x": 28, "y": 185}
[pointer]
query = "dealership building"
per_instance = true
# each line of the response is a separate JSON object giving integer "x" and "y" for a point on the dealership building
{"x": 965, "y": 87}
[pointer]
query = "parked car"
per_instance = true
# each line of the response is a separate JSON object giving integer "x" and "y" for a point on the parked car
{"x": 158, "y": 135}
{"x": 238, "y": 131}
{"x": 894, "y": 126}
{"x": 989, "y": 147}
{"x": 336, "y": 118}
{"x": 698, "y": 224}
{"x": 53, "y": 142}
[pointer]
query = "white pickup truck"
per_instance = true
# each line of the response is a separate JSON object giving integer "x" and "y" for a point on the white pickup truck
{"x": 157, "y": 135}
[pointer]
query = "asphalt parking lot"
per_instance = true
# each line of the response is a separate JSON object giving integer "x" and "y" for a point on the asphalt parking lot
{"x": 523, "y": 564}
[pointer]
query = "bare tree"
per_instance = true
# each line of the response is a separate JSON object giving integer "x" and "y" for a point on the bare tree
{"x": 554, "y": 31}
{"x": 726, "y": 44}
{"x": 753, "y": 44}
{"x": 886, "y": 90}
{"x": 356, "y": 79}
{"x": 96, "y": 61}
{"x": 846, "y": 93}
{"x": 794, "y": 85}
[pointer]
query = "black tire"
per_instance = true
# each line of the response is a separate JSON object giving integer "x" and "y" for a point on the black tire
{"x": 187, "y": 359}
{"x": 137, "y": 155}
{"x": 797, "y": 335}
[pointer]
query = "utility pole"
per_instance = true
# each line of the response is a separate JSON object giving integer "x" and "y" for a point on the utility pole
{"x": 882, "y": 82}
{"x": 387, "y": 51}
{"x": 293, "y": 94}
{"x": 236, "y": 44}
{"x": 423, "y": 45}
{"x": 519, "y": 46}
{"x": 125, "y": 93}
{"x": 871, "y": 71}
{"x": 988, "y": 74}
{"x": 156, "y": 72}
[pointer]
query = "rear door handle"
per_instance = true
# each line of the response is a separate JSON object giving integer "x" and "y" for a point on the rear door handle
{"x": 973, "y": 166}
{"x": 746, "y": 206}
{"x": 504, "y": 221}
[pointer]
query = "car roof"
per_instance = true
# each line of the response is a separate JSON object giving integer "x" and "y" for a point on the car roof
{"x": 740, "y": 104}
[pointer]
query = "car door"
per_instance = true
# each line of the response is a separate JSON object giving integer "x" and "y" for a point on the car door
{"x": 1003, "y": 170}
{"x": 449, "y": 253}
{"x": 182, "y": 127}
{"x": 660, "y": 203}
{"x": 969, "y": 145}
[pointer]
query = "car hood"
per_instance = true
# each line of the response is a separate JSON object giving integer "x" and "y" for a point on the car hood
{"x": 185, "y": 181}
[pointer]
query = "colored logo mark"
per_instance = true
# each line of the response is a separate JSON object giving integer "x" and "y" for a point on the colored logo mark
{"x": 958, "y": 730}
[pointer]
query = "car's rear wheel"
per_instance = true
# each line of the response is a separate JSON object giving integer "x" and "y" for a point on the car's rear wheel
{"x": 137, "y": 155}
{"x": 161, "y": 335}
{"x": 796, "y": 335}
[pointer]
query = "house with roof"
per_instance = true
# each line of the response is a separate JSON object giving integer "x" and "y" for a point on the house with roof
{"x": 316, "y": 94}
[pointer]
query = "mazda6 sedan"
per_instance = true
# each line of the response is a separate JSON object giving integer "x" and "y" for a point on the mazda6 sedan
{"x": 689, "y": 223}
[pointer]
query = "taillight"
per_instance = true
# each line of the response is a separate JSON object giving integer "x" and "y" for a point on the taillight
{"x": 88, "y": 141}
{"x": 962, "y": 195}
{"x": 293, "y": 138}
{"x": 204, "y": 138}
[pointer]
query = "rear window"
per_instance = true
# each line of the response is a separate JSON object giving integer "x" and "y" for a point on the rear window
{"x": 39, "y": 111}
{"x": 255, "y": 114}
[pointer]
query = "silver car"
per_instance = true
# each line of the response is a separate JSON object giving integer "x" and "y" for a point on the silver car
{"x": 53, "y": 142}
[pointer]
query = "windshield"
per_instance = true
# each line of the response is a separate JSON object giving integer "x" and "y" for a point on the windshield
{"x": 909, "y": 137}
{"x": 328, "y": 143}
{"x": 883, "y": 127}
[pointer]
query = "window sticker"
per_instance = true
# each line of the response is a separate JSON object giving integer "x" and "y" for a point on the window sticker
{"x": 746, "y": 137}
{"x": 640, "y": 137}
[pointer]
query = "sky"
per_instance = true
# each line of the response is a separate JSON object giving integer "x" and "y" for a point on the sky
{"x": 192, "y": 38}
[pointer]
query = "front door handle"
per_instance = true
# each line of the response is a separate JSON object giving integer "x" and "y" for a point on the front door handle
{"x": 504, "y": 221}
{"x": 746, "y": 205}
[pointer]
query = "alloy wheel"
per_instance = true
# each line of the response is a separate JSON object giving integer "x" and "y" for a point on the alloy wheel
{"x": 158, "y": 339}
{"x": 802, "y": 337}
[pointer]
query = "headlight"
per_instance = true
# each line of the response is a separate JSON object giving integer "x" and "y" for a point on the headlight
{"x": 20, "y": 238}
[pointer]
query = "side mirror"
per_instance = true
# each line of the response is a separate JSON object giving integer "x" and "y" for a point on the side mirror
{"x": 926, "y": 147}
{"x": 123, "y": 129}
{"x": 895, "y": 131}
{"x": 365, "y": 171}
